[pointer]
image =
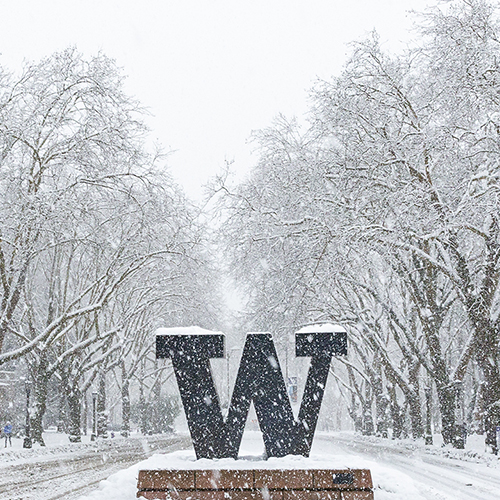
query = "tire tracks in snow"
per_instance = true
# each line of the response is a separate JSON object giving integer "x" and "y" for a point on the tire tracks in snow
{"x": 67, "y": 476}
{"x": 453, "y": 479}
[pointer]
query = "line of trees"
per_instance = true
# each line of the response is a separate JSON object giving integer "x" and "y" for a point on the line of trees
{"x": 383, "y": 214}
{"x": 98, "y": 246}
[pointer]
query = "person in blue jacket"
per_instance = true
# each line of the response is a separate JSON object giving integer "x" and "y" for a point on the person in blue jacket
{"x": 7, "y": 432}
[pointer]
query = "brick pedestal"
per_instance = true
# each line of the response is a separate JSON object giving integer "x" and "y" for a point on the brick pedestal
{"x": 260, "y": 484}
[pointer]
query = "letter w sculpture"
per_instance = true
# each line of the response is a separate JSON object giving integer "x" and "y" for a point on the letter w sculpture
{"x": 259, "y": 380}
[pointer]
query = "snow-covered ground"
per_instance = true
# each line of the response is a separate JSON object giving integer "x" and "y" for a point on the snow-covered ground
{"x": 66, "y": 471}
{"x": 391, "y": 484}
{"x": 400, "y": 469}
{"x": 53, "y": 440}
{"x": 437, "y": 473}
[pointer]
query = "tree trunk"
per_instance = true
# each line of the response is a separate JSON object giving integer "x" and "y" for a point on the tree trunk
{"x": 40, "y": 386}
{"x": 487, "y": 357}
{"x": 428, "y": 416}
{"x": 85, "y": 413}
{"x": 477, "y": 424}
{"x": 155, "y": 403}
{"x": 381, "y": 399}
{"x": 102, "y": 419}
{"x": 382, "y": 416}
{"x": 447, "y": 396}
{"x": 75, "y": 414}
{"x": 144, "y": 423}
{"x": 125, "y": 404}
{"x": 415, "y": 408}
{"x": 381, "y": 408}
{"x": 469, "y": 414}
{"x": 491, "y": 399}
{"x": 396, "y": 414}
{"x": 414, "y": 403}
{"x": 39, "y": 406}
{"x": 368, "y": 428}
{"x": 63, "y": 417}
{"x": 487, "y": 333}
{"x": 354, "y": 414}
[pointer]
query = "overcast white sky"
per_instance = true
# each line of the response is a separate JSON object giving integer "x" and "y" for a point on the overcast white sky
{"x": 210, "y": 71}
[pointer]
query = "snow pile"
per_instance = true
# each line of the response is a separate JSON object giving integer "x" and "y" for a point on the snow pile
{"x": 322, "y": 328}
{"x": 56, "y": 444}
{"x": 388, "y": 483}
{"x": 186, "y": 330}
{"x": 474, "y": 449}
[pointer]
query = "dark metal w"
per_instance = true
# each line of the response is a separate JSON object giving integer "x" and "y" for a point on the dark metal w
{"x": 259, "y": 380}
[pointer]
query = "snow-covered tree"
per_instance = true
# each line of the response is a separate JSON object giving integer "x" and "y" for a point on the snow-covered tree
{"x": 87, "y": 219}
{"x": 384, "y": 213}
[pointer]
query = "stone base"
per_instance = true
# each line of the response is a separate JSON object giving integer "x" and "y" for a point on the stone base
{"x": 259, "y": 484}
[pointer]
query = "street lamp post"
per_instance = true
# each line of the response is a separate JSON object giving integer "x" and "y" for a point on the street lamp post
{"x": 94, "y": 416}
{"x": 27, "y": 443}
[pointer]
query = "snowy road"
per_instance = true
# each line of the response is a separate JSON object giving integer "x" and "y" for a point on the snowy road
{"x": 435, "y": 476}
{"x": 70, "y": 474}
